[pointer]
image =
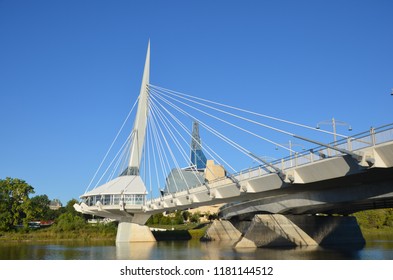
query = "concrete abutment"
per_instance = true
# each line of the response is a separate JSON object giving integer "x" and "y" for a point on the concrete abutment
{"x": 132, "y": 229}
{"x": 276, "y": 230}
{"x": 131, "y": 232}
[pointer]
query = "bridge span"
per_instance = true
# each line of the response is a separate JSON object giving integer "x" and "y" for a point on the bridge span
{"x": 307, "y": 183}
{"x": 348, "y": 175}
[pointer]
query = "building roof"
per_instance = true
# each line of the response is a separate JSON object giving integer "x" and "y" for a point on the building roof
{"x": 121, "y": 185}
{"x": 182, "y": 179}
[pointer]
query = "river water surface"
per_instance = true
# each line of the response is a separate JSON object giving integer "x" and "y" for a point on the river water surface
{"x": 380, "y": 248}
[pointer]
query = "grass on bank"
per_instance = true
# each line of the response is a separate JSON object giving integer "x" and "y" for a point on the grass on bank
{"x": 103, "y": 232}
{"x": 87, "y": 232}
{"x": 373, "y": 224}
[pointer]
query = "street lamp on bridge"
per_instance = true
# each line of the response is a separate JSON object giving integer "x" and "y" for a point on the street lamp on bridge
{"x": 291, "y": 151}
{"x": 334, "y": 123}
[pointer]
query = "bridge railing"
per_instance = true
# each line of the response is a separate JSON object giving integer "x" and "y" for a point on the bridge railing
{"x": 356, "y": 142}
{"x": 353, "y": 143}
{"x": 384, "y": 134}
{"x": 367, "y": 139}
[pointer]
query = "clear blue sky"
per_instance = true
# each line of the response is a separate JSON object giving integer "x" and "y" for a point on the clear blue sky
{"x": 70, "y": 71}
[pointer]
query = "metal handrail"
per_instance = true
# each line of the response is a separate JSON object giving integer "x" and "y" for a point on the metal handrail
{"x": 309, "y": 155}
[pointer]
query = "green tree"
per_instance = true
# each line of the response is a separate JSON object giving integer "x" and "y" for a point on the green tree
{"x": 5, "y": 214}
{"x": 186, "y": 215}
{"x": 14, "y": 203}
{"x": 69, "y": 208}
{"x": 178, "y": 220}
{"x": 375, "y": 218}
{"x": 389, "y": 217}
{"x": 195, "y": 218}
{"x": 69, "y": 219}
{"x": 69, "y": 222}
{"x": 155, "y": 219}
{"x": 39, "y": 207}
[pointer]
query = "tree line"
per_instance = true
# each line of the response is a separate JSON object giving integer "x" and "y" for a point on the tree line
{"x": 17, "y": 208}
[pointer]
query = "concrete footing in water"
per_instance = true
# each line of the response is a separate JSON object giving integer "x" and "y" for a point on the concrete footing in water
{"x": 275, "y": 230}
{"x": 131, "y": 232}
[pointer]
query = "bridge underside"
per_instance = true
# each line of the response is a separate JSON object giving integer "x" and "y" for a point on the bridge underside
{"x": 276, "y": 230}
{"x": 370, "y": 189}
{"x": 299, "y": 214}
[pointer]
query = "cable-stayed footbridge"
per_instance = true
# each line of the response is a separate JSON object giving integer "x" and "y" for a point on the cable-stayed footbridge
{"x": 163, "y": 165}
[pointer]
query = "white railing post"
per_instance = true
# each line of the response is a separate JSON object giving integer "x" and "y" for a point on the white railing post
{"x": 372, "y": 135}
{"x": 349, "y": 143}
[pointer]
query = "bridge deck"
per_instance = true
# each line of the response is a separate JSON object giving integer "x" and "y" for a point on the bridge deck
{"x": 315, "y": 169}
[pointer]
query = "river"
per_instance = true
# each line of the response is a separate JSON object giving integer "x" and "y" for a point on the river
{"x": 380, "y": 248}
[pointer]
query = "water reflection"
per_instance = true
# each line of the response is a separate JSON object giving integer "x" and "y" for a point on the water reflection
{"x": 135, "y": 251}
{"x": 179, "y": 250}
{"x": 187, "y": 250}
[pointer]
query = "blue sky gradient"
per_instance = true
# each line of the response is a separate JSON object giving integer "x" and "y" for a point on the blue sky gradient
{"x": 70, "y": 71}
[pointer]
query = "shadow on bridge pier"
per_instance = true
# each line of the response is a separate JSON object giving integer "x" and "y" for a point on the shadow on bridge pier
{"x": 276, "y": 230}
{"x": 297, "y": 220}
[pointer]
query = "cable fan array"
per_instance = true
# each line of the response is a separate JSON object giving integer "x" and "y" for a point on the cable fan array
{"x": 232, "y": 137}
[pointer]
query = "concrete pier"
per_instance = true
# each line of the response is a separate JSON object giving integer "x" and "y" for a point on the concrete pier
{"x": 131, "y": 232}
{"x": 272, "y": 231}
{"x": 222, "y": 231}
{"x": 275, "y": 230}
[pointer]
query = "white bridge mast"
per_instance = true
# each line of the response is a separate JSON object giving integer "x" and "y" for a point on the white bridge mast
{"x": 127, "y": 192}
{"x": 139, "y": 130}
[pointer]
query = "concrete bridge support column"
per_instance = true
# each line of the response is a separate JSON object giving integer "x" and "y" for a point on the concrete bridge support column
{"x": 222, "y": 231}
{"x": 129, "y": 231}
{"x": 273, "y": 230}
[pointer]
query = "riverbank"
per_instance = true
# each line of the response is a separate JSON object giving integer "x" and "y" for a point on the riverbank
{"x": 108, "y": 233}
{"x": 104, "y": 232}
{"x": 375, "y": 233}
{"x": 47, "y": 234}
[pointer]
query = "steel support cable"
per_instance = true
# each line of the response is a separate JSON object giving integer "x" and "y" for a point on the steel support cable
{"x": 113, "y": 142}
{"x": 246, "y": 119}
{"x": 233, "y": 125}
{"x": 160, "y": 134}
{"x": 160, "y": 142}
{"x": 171, "y": 152}
{"x": 164, "y": 90}
{"x": 149, "y": 148}
{"x": 159, "y": 147}
{"x": 125, "y": 162}
{"x": 147, "y": 157}
{"x": 167, "y": 144}
{"x": 180, "y": 148}
{"x": 218, "y": 134}
{"x": 208, "y": 128}
{"x": 144, "y": 150}
{"x": 116, "y": 156}
{"x": 165, "y": 121}
{"x": 178, "y": 145}
{"x": 154, "y": 155}
{"x": 188, "y": 133}
{"x": 184, "y": 140}
{"x": 122, "y": 158}
{"x": 214, "y": 132}
{"x": 236, "y": 116}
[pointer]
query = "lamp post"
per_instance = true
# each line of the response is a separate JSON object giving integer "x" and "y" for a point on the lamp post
{"x": 290, "y": 146}
{"x": 334, "y": 123}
